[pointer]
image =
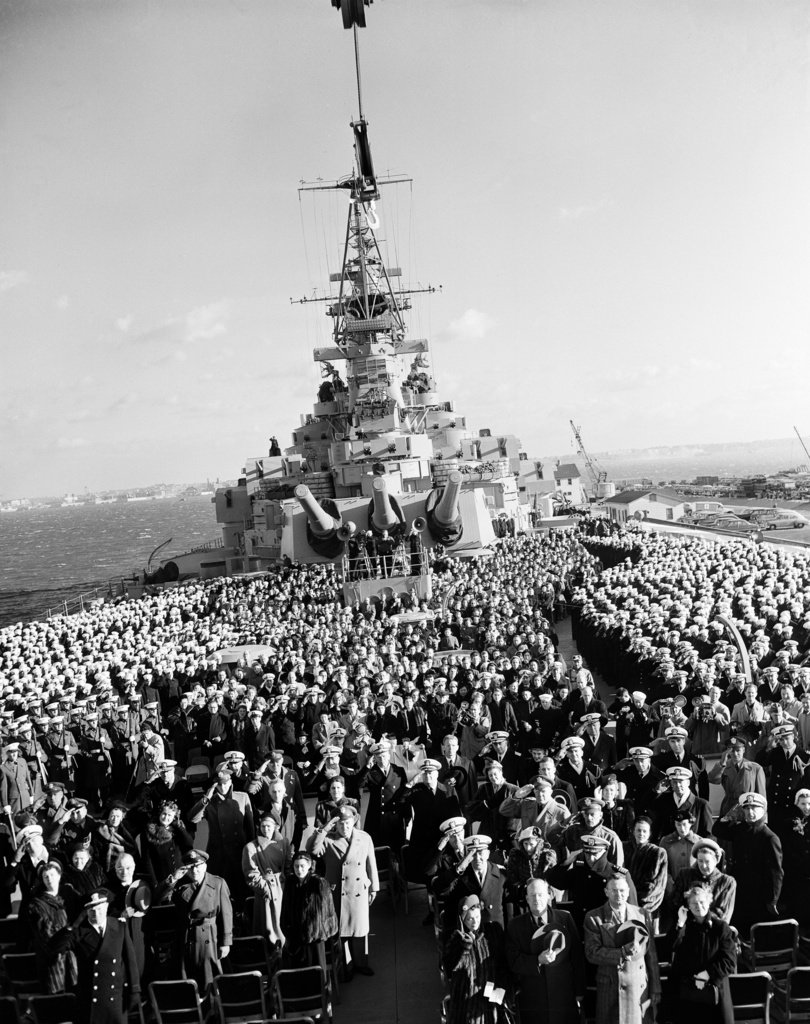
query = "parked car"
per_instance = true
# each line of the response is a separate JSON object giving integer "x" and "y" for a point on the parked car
{"x": 731, "y": 522}
{"x": 779, "y": 519}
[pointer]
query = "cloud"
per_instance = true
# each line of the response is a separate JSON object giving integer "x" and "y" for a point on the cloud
{"x": 12, "y": 279}
{"x": 575, "y": 212}
{"x": 470, "y": 326}
{"x": 206, "y": 322}
{"x": 72, "y": 442}
{"x": 62, "y": 302}
{"x": 199, "y": 324}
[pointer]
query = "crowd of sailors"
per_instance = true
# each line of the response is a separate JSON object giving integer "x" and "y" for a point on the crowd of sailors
{"x": 565, "y": 840}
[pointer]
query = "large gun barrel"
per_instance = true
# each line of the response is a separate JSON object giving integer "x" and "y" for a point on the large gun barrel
{"x": 446, "y": 511}
{"x": 320, "y": 522}
{"x": 443, "y": 515}
{"x": 383, "y": 517}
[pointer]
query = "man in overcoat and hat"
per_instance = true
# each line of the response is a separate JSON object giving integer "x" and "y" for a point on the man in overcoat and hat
{"x": 544, "y": 953}
{"x": 619, "y": 941}
{"x": 204, "y": 920}
{"x": 108, "y": 974}
{"x": 350, "y": 867}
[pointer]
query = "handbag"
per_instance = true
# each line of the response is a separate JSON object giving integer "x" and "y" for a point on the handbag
{"x": 688, "y": 991}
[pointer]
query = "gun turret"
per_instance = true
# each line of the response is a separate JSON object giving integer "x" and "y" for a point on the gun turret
{"x": 442, "y": 512}
{"x": 323, "y": 527}
{"x": 384, "y": 512}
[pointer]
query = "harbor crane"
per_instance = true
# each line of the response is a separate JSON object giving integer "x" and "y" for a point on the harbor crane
{"x": 601, "y": 488}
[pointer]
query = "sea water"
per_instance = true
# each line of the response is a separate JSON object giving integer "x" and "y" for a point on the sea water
{"x": 51, "y": 555}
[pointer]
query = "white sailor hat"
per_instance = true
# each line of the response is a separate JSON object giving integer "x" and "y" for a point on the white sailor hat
{"x": 457, "y": 824}
{"x": 676, "y": 731}
{"x": 477, "y": 842}
{"x": 167, "y": 763}
{"x": 677, "y": 772}
{"x": 783, "y": 730}
{"x": 572, "y": 742}
{"x": 592, "y": 716}
{"x": 752, "y": 800}
{"x": 639, "y": 695}
{"x": 498, "y": 734}
{"x": 11, "y": 747}
{"x": 640, "y": 752}
{"x": 234, "y": 755}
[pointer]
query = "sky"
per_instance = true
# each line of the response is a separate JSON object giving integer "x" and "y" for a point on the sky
{"x": 614, "y": 198}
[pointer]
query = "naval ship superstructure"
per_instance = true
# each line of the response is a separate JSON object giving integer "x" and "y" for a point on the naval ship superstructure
{"x": 381, "y": 460}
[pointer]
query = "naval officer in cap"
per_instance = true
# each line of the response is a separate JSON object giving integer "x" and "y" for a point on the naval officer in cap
{"x": 477, "y": 876}
{"x": 108, "y": 975}
{"x": 756, "y": 859}
{"x": 204, "y": 920}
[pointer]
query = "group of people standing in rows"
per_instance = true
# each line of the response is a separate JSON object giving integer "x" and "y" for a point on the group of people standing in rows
{"x": 557, "y": 854}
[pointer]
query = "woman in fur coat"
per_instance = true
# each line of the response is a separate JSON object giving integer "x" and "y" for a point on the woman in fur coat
{"x": 307, "y": 913}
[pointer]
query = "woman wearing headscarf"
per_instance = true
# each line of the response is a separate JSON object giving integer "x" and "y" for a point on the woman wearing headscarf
{"x": 265, "y": 862}
{"x": 473, "y": 960}
{"x": 703, "y": 956}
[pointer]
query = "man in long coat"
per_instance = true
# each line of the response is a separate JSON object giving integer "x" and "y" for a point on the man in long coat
{"x": 229, "y": 817}
{"x": 619, "y": 941}
{"x": 105, "y": 961}
{"x": 204, "y": 920}
{"x": 475, "y": 876}
{"x": 551, "y": 983}
{"x": 351, "y": 869}
{"x": 386, "y": 788}
{"x": 756, "y": 861}
{"x": 737, "y": 775}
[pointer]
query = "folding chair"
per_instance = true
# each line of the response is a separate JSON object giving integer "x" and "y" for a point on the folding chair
{"x": 251, "y": 953}
{"x": 302, "y": 991}
{"x": 198, "y": 776}
{"x": 751, "y": 996}
{"x": 176, "y": 1002}
{"x": 59, "y": 1009}
{"x": 797, "y": 996}
{"x": 774, "y": 948}
{"x": 10, "y": 1010}
{"x": 240, "y": 998}
{"x": 20, "y": 970}
{"x": 388, "y": 871}
{"x": 9, "y": 933}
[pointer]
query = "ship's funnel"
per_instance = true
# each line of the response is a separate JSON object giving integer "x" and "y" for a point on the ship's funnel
{"x": 442, "y": 512}
{"x": 323, "y": 528}
{"x": 320, "y": 522}
{"x": 383, "y": 517}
